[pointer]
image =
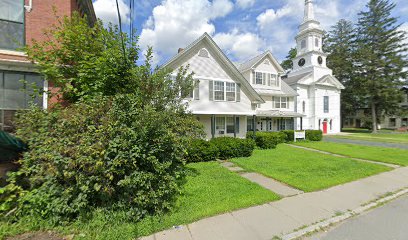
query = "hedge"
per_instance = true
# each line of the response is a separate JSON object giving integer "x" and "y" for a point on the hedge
{"x": 267, "y": 140}
{"x": 314, "y": 135}
{"x": 222, "y": 148}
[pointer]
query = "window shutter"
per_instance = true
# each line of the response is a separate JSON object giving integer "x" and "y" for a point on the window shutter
{"x": 197, "y": 90}
{"x": 211, "y": 90}
{"x": 277, "y": 81}
{"x": 263, "y": 78}
{"x": 269, "y": 79}
{"x": 288, "y": 100}
{"x": 238, "y": 89}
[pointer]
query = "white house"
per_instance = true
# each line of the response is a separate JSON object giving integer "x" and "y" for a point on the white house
{"x": 319, "y": 91}
{"x": 232, "y": 99}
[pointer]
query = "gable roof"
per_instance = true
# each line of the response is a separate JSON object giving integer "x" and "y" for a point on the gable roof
{"x": 245, "y": 66}
{"x": 219, "y": 54}
{"x": 329, "y": 80}
{"x": 285, "y": 91}
{"x": 297, "y": 78}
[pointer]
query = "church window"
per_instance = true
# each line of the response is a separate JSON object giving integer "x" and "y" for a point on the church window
{"x": 303, "y": 106}
{"x": 326, "y": 104}
{"x": 203, "y": 53}
{"x": 303, "y": 44}
{"x": 317, "y": 42}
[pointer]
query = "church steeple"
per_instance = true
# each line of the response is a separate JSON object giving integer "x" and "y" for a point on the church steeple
{"x": 309, "y": 12}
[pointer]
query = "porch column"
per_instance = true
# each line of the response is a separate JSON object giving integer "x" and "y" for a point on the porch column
{"x": 212, "y": 126}
{"x": 235, "y": 126}
{"x": 301, "y": 123}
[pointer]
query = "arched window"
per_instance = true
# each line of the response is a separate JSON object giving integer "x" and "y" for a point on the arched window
{"x": 316, "y": 42}
{"x": 303, "y": 106}
{"x": 203, "y": 53}
{"x": 331, "y": 124}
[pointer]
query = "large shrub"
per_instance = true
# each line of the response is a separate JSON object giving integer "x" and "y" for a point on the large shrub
{"x": 267, "y": 140}
{"x": 289, "y": 135}
{"x": 229, "y": 147}
{"x": 108, "y": 152}
{"x": 314, "y": 135}
{"x": 201, "y": 151}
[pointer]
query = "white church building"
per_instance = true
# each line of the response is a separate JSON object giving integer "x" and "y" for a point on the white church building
{"x": 231, "y": 99}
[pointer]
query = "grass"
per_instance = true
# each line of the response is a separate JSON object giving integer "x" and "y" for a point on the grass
{"x": 379, "y": 154}
{"x": 306, "y": 170}
{"x": 210, "y": 190}
{"x": 401, "y": 138}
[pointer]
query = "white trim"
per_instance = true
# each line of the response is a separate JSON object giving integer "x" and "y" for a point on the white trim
{"x": 45, "y": 95}
{"x": 13, "y": 53}
{"x": 29, "y": 7}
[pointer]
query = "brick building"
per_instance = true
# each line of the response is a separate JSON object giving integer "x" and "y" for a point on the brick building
{"x": 21, "y": 21}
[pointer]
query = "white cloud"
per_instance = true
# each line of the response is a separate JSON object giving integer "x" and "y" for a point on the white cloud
{"x": 176, "y": 23}
{"x": 404, "y": 27}
{"x": 245, "y": 3}
{"x": 106, "y": 10}
{"x": 240, "y": 45}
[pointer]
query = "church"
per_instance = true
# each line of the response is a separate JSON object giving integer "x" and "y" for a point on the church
{"x": 232, "y": 99}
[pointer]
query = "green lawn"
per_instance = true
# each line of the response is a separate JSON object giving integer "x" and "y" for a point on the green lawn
{"x": 307, "y": 170}
{"x": 210, "y": 190}
{"x": 401, "y": 138}
{"x": 387, "y": 155}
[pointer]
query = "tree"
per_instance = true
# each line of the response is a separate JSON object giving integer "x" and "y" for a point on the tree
{"x": 287, "y": 64}
{"x": 340, "y": 45}
{"x": 380, "y": 59}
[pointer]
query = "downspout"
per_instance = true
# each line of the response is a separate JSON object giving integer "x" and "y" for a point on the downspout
{"x": 29, "y": 7}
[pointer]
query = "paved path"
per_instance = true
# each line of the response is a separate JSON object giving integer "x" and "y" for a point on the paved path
{"x": 367, "y": 143}
{"x": 284, "y": 216}
{"x": 383, "y": 223}
{"x": 342, "y": 156}
{"x": 271, "y": 184}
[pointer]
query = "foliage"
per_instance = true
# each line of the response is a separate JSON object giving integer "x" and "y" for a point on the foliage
{"x": 289, "y": 135}
{"x": 314, "y": 135}
{"x": 267, "y": 140}
{"x": 201, "y": 150}
{"x": 381, "y": 58}
{"x": 307, "y": 170}
{"x": 119, "y": 143}
{"x": 287, "y": 64}
{"x": 340, "y": 44}
{"x": 229, "y": 147}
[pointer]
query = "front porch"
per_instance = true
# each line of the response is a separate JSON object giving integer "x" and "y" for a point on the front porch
{"x": 274, "y": 120}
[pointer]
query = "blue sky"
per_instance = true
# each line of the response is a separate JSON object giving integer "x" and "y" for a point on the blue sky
{"x": 242, "y": 28}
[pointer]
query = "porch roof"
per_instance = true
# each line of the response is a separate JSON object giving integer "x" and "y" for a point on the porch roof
{"x": 277, "y": 113}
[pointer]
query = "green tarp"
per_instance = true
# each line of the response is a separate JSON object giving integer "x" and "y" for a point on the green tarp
{"x": 10, "y": 147}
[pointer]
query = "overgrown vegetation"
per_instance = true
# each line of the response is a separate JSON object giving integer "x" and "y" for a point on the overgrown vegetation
{"x": 269, "y": 140}
{"x": 119, "y": 140}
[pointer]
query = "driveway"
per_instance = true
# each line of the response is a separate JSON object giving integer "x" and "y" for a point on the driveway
{"x": 388, "y": 222}
{"x": 367, "y": 143}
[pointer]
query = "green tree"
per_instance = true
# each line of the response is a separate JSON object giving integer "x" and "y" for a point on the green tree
{"x": 380, "y": 59}
{"x": 340, "y": 45}
{"x": 287, "y": 64}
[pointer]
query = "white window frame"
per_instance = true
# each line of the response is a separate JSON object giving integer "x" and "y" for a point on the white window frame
{"x": 261, "y": 78}
{"x": 218, "y": 125}
{"x": 226, "y": 88}
{"x": 219, "y": 87}
{"x": 326, "y": 107}
{"x": 230, "y": 87}
{"x": 278, "y": 103}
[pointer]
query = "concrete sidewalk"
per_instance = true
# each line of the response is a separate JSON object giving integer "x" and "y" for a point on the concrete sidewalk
{"x": 283, "y": 217}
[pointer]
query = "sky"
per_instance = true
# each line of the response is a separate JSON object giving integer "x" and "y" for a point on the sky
{"x": 242, "y": 28}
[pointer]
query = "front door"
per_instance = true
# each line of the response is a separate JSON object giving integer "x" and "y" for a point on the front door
{"x": 325, "y": 127}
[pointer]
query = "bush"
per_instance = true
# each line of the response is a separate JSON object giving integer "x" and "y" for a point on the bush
{"x": 201, "y": 150}
{"x": 103, "y": 153}
{"x": 267, "y": 140}
{"x": 289, "y": 135}
{"x": 314, "y": 135}
{"x": 229, "y": 147}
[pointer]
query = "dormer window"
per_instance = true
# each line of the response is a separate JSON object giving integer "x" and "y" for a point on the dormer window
{"x": 266, "y": 79}
{"x": 203, "y": 53}
{"x": 303, "y": 44}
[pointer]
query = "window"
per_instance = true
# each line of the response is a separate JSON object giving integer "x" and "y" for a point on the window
{"x": 303, "y": 44}
{"x": 230, "y": 125}
{"x": 326, "y": 104}
{"x": 230, "y": 91}
{"x": 219, "y": 91}
{"x": 316, "y": 42}
{"x": 404, "y": 122}
{"x": 303, "y": 106}
{"x": 258, "y": 78}
{"x": 11, "y": 24}
{"x": 281, "y": 102}
{"x": 393, "y": 122}
{"x": 203, "y": 53}
{"x": 220, "y": 124}
{"x": 250, "y": 125}
{"x": 274, "y": 80}
{"x": 331, "y": 124}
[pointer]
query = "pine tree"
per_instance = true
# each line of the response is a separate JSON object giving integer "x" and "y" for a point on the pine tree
{"x": 381, "y": 58}
{"x": 287, "y": 64}
{"x": 340, "y": 45}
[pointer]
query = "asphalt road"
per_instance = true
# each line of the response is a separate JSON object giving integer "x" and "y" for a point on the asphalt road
{"x": 388, "y": 222}
{"x": 367, "y": 143}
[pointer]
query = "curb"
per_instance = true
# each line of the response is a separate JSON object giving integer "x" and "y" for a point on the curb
{"x": 337, "y": 219}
